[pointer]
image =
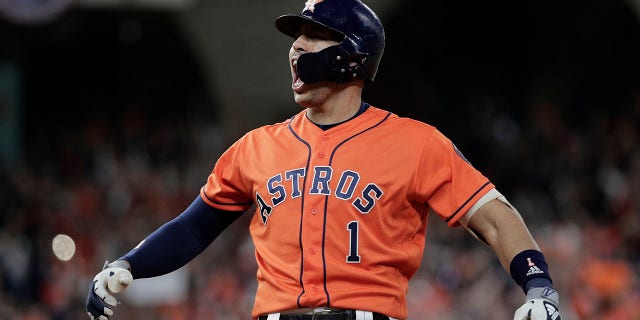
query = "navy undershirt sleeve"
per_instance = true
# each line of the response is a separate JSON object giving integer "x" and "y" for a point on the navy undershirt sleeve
{"x": 178, "y": 241}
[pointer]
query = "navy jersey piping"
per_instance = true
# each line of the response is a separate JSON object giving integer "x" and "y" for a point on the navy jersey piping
{"x": 226, "y": 203}
{"x": 465, "y": 203}
{"x": 324, "y": 224}
{"x": 304, "y": 186}
{"x": 326, "y": 204}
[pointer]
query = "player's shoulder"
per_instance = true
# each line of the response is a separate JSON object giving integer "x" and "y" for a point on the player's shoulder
{"x": 403, "y": 124}
{"x": 269, "y": 130}
{"x": 273, "y": 126}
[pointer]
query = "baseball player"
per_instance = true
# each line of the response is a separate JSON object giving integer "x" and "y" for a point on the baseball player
{"x": 342, "y": 191}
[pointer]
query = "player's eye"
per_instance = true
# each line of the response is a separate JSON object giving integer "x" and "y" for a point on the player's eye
{"x": 315, "y": 32}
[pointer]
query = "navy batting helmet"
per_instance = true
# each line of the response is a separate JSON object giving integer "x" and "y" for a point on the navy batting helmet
{"x": 357, "y": 56}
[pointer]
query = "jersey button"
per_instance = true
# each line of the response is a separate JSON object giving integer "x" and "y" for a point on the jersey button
{"x": 321, "y": 154}
{"x": 313, "y": 250}
{"x": 314, "y": 211}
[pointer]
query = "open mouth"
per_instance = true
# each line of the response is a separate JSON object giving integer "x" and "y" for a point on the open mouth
{"x": 297, "y": 84}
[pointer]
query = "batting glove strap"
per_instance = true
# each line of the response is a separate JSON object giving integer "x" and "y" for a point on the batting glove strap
{"x": 542, "y": 304}
{"x": 96, "y": 307}
{"x": 545, "y": 293}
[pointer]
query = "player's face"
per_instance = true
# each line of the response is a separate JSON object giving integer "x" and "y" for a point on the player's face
{"x": 310, "y": 38}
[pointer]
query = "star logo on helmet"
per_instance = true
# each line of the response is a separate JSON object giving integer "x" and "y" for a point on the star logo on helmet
{"x": 311, "y": 5}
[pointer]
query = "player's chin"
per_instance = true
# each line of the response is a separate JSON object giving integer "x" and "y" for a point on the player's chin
{"x": 306, "y": 99}
{"x": 300, "y": 99}
{"x": 301, "y": 90}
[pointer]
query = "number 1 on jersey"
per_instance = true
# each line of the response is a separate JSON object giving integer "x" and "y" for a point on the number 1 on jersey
{"x": 353, "y": 256}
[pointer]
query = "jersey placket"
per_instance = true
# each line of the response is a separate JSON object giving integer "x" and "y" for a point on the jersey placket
{"x": 313, "y": 222}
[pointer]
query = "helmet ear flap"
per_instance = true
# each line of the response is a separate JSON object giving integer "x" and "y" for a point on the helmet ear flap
{"x": 333, "y": 63}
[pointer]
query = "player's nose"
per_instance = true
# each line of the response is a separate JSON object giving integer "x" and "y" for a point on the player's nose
{"x": 301, "y": 44}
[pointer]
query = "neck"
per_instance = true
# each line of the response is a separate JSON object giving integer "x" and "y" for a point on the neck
{"x": 337, "y": 108}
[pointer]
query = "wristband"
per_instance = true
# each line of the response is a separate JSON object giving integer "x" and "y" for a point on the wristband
{"x": 528, "y": 265}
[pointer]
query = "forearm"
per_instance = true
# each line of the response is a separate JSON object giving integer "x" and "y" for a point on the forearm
{"x": 178, "y": 241}
{"x": 503, "y": 230}
{"x": 165, "y": 250}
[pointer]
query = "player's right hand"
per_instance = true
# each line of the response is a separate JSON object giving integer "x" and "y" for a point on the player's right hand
{"x": 100, "y": 301}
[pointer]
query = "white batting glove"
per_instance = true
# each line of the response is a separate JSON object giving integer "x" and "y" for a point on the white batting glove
{"x": 100, "y": 300}
{"x": 542, "y": 304}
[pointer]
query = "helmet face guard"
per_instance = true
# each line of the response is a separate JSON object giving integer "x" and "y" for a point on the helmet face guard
{"x": 333, "y": 64}
{"x": 359, "y": 53}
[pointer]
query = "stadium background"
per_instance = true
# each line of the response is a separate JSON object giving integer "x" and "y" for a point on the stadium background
{"x": 112, "y": 113}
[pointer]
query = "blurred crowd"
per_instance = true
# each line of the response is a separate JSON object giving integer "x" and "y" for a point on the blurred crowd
{"x": 108, "y": 186}
{"x": 572, "y": 168}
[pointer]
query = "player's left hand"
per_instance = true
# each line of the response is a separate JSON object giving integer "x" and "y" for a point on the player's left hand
{"x": 542, "y": 304}
{"x": 100, "y": 300}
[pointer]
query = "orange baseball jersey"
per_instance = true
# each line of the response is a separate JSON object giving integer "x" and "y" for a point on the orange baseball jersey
{"x": 341, "y": 214}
